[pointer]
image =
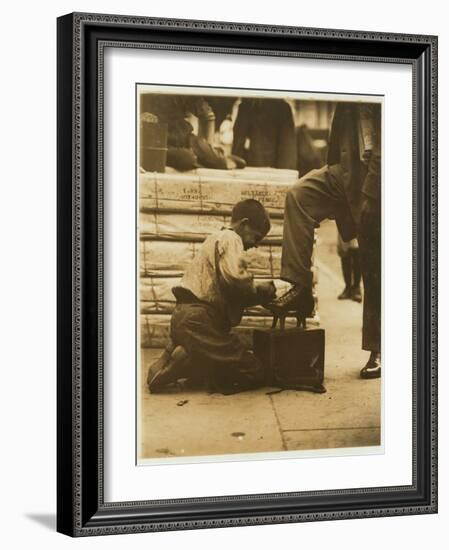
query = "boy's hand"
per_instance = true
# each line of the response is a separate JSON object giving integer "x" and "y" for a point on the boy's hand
{"x": 266, "y": 292}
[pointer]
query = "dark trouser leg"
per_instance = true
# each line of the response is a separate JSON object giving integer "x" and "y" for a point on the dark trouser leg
{"x": 370, "y": 262}
{"x": 312, "y": 199}
{"x": 224, "y": 360}
{"x": 355, "y": 291}
{"x": 346, "y": 267}
{"x": 355, "y": 267}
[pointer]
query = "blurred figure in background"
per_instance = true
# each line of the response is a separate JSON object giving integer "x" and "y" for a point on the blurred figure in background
{"x": 226, "y": 134}
{"x": 264, "y": 133}
{"x": 350, "y": 265}
{"x": 309, "y": 156}
{"x": 188, "y": 147}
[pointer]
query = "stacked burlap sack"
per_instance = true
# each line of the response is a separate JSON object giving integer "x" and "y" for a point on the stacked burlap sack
{"x": 178, "y": 211}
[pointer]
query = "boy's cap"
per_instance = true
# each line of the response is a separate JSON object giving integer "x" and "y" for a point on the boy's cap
{"x": 254, "y": 211}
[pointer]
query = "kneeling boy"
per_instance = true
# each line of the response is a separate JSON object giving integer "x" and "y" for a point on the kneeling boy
{"x": 210, "y": 300}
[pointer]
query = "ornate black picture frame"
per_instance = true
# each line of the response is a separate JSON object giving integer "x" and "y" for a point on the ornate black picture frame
{"x": 81, "y": 510}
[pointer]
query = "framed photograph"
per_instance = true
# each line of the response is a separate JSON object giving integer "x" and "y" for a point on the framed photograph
{"x": 247, "y": 277}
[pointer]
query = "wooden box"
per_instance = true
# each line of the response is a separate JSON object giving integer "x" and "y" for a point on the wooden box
{"x": 293, "y": 358}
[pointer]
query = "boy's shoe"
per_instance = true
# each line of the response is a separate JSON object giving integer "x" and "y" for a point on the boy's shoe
{"x": 345, "y": 295}
{"x": 166, "y": 369}
{"x": 372, "y": 369}
{"x": 356, "y": 294}
{"x": 161, "y": 361}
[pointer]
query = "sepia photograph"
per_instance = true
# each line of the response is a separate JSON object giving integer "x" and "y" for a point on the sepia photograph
{"x": 259, "y": 274}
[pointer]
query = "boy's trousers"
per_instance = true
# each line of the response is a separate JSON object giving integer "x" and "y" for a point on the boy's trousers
{"x": 318, "y": 195}
{"x": 214, "y": 352}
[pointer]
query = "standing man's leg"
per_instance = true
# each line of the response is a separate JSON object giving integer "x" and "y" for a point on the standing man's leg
{"x": 344, "y": 253}
{"x": 312, "y": 199}
{"x": 356, "y": 293}
{"x": 370, "y": 262}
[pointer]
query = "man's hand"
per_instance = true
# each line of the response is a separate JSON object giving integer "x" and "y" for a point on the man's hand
{"x": 266, "y": 292}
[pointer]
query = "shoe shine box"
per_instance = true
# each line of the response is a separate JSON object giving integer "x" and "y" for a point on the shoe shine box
{"x": 292, "y": 358}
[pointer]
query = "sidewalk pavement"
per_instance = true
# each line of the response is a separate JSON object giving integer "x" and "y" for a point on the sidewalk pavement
{"x": 348, "y": 415}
